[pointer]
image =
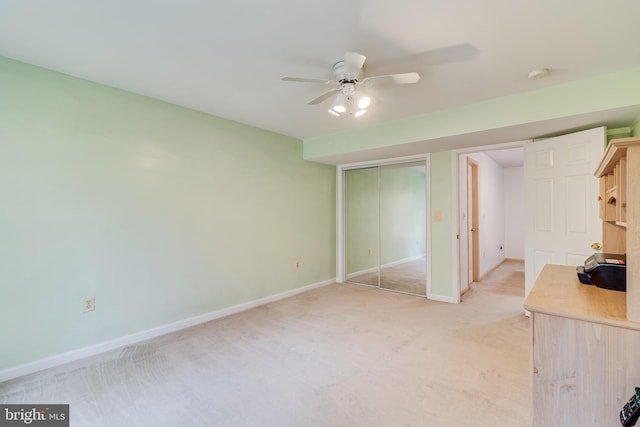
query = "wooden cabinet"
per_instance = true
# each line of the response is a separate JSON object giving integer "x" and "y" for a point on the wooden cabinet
{"x": 584, "y": 351}
{"x": 613, "y": 191}
{"x": 619, "y": 173}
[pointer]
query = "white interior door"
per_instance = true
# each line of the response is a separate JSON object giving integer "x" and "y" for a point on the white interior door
{"x": 561, "y": 200}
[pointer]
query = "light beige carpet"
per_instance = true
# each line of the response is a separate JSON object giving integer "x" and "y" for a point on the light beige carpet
{"x": 341, "y": 355}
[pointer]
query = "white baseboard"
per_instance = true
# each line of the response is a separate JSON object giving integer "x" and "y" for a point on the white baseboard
{"x": 442, "y": 298}
{"x": 81, "y": 353}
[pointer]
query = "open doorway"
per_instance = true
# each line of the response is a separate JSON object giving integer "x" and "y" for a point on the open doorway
{"x": 491, "y": 211}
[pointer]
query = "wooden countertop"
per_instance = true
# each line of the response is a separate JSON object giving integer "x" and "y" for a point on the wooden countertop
{"x": 557, "y": 291}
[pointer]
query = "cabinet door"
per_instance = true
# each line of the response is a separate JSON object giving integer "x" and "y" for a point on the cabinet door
{"x": 602, "y": 197}
{"x": 554, "y": 371}
{"x": 583, "y": 372}
{"x": 621, "y": 185}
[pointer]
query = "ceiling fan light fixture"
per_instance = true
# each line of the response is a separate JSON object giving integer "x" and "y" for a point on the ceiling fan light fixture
{"x": 363, "y": 101}
{"x": 340, "y": 104}
{"x": 350, "y": 105}
{"x": 348, "y": 89}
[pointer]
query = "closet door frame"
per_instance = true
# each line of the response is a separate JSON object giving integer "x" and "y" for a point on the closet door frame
{"x": 341, "y": 261}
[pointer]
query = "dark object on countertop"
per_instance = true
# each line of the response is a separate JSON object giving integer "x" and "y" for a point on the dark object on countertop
{"x": 584, "y": 276}
{"x": 607, "y": 271}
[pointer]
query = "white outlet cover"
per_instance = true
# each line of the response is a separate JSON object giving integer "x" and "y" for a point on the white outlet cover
{"x": 88, "y": 304}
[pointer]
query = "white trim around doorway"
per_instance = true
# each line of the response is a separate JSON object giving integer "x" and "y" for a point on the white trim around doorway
{"x": 456, "y": 180}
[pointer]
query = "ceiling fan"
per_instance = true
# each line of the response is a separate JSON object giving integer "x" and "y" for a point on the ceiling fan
{"x": 349, "y": 78}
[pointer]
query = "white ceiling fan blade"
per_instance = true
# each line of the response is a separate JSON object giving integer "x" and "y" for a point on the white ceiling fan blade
{"x": 401, "y": 79}
{"x": 353, "y": 63}
{"x": 328, "y": 94}
{"x": 305, "y": 80}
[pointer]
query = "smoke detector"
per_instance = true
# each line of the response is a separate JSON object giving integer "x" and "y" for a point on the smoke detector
{"x": 538, "y": 74}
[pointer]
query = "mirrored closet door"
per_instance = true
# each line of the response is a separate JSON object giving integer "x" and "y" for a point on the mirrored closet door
{"x": 385, "y": 225}
{"x": 362, "y": 219}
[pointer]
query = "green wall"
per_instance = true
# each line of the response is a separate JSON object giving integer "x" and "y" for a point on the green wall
{"x": 162, "y": 213}
{"x": 636, "y": 127}
{"x": 442, "y": 223}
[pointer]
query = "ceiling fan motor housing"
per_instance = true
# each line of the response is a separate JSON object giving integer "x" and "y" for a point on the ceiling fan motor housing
{"x": 338, "y": 72}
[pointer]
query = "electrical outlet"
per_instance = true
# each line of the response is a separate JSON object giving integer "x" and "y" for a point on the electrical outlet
{"x": 88, "y": 304}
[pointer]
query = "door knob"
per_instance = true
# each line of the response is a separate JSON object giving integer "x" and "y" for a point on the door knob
{"x": 596, "y": 246}
{"x": 473, "y": 229}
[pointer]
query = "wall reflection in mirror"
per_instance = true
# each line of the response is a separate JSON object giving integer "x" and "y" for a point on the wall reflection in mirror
{"x": 385, "y": 225}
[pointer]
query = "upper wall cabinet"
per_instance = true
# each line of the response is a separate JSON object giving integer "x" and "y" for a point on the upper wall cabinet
{"x": 613, "y": 184}
{"x": 619, "y": 173}
{"x": 613, "y": 173}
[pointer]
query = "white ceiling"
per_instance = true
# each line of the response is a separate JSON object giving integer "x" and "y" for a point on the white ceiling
{"x": 509, "y": 158}
{"x": 227, "y": 58}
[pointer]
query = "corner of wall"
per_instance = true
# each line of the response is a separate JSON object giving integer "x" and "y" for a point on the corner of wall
{"x": 635, "y": 126}
{"x": 619, "y": 133}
